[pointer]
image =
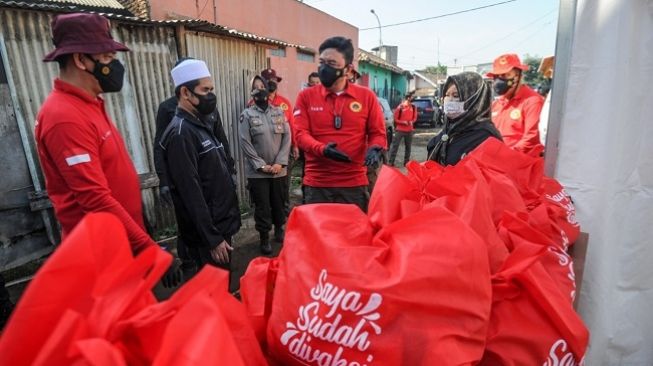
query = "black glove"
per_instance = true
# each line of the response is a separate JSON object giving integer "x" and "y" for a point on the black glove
{"x": 374, "y": 156}
{"x": 174, "y": 275}
{"x": 165, "y": 195}
{"x": 331, "y": 152}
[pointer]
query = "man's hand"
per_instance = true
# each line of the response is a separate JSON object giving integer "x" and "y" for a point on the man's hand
{"x": 276, "y": 169}
{"x": 374, "y": 156}
{"x": 331, "y": 152}
{"x": 173, "y": 276}
{"x": 266, "y": 169}
{"x": 165, "y": 195}
{"x": 220, "y": 254}
{"x": 295, "y": 152}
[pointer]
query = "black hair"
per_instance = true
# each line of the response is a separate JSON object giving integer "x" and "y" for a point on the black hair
{"x": 342, "y": 45}
{"x": 313, "y": 75}
{"x": 62, "y": 60}
{"x": 190, "y": 85}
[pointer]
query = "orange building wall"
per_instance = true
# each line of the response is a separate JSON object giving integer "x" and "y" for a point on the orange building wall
{"x": 286, "y": 20}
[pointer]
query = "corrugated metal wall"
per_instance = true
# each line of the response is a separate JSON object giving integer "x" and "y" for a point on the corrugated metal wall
{"x": 26, "y": 37}
{"x": 233, "y": 63}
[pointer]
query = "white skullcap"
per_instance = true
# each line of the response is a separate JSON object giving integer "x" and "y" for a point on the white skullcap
{"x": 189, "y": 70}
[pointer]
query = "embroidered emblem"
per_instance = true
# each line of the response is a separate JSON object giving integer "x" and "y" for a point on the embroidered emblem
{"x": 355, "y": 107}
{"x": 515, "y": 114}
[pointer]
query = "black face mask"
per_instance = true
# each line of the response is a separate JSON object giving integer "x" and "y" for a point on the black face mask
{"x": 329, "y": 74}
{"x": 501, "y": 85}
{"x": 260, "y": 98}
{"x": 207, "y": 103}
{"x": 272, "y": 86}
{"x": 110, "y": 76}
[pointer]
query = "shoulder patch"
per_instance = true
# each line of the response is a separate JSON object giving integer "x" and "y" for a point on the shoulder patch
{"x": 284, "y": 106}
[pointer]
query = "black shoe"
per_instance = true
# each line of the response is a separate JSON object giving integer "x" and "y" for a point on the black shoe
{"x": 266, "y": 248}
{"x": 279, "y": 235}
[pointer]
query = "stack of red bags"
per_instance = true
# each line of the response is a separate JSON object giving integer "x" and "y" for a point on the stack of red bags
{"x": 91, "y": 304}
{"x": 464, "y": 265}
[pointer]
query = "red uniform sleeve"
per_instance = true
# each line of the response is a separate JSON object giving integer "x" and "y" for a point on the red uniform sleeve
{"x": 304, "y": 139}
{"x": 86, "y": 179}
{"x": 376, "y": 134}
{"x": 396, "y": 113}
{"x": 414, "y": 109}
{"x": 291, "y": 121}
{"x": 531, "y": 137}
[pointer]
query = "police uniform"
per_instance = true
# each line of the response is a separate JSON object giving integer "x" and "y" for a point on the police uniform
{"x": 265, "y": 139}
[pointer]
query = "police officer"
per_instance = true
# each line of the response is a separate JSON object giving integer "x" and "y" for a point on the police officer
{"x": 204, "y": 195}
{"x": 266, "y": 141}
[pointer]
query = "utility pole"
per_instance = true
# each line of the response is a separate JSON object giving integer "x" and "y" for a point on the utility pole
{"x": 378, "y": 21}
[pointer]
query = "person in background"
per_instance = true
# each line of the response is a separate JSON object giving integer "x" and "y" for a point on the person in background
{"x": 83, "y": 156}
{"x": 340, "y": 128}
{"x": 313, "y": 79}
{"x": 272, "y": 79}
{"x": 164, "y": 115}
{"x": 265, "y": 141}
{"x": 405, "y": 116}
{"x": 516, "y": 112}
{"x": 202, "y": 188}
{"x": 467, "y": 101}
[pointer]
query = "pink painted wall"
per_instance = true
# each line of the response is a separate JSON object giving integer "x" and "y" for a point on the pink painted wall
{"x": 286, "y": 20}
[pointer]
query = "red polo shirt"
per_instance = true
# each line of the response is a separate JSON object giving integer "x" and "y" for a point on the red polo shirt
{"x": 362, "y": 126}
{"x": 86, "y": 164}
{"x": 405, "y": 115}
{"x": 517, "y": 120}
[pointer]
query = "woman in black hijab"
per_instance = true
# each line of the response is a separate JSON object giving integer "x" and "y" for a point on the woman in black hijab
{"x": 467, "y": 123}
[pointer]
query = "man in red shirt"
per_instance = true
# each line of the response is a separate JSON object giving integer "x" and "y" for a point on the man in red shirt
{"x": 405, "y": 116}
{"x": 516, "y": 112}
{"x": 84, "y": 159}
{"x": 340, "y": 128}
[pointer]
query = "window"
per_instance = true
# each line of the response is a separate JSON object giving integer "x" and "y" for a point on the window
{"x": 278, "y": 52}
{"x": 305, "y": 56}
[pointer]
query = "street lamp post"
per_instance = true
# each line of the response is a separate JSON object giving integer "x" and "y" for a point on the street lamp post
{"x": 378, "y": 21}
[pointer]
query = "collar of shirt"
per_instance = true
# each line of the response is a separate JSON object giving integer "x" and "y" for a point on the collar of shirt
{"x": 349, "y": 90}
{"x": 64, "y": 87}
{"x": 193, "y": 119}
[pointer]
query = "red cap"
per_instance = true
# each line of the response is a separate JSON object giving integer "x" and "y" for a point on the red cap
{"x": 82, "y": 33}
{"x": 269, "y": 74}
{"x": 505, "y": 63}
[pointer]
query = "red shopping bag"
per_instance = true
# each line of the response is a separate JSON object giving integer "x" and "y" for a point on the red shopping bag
{"x": 145, "y": 335}
{"x": 516, "y": 231}
{"x": 416, "y": 293}
{"x": 533, "y": 322}
{"x": 89, "y": 282}
{"x": 463, "y": 190}
{"x": 526, "y": 172}
{"x": 256, "y": 291}
{"x": 560, "y": 209}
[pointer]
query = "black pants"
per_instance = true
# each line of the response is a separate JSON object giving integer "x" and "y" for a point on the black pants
{"x": 358, "y": 196}
{"x": 396, "y": 141}
{"x": 269, "y": 196}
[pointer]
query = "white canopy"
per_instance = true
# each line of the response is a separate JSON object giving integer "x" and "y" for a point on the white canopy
{"x": 605, "y": 159}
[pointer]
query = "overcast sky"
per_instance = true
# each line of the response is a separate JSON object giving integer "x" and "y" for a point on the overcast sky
{"x": 520, "y": 26}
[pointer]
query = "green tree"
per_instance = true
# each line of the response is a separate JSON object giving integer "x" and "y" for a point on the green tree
{"x": 438, "y": 70}
{"x": 531, "y": 77}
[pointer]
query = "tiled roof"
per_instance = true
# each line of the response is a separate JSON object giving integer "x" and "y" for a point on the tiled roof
{"x": 364, "y": 56}
{"x": 140, "y": 8}
{"x": 109, "y": 6}
{"x": 126, "y": 17}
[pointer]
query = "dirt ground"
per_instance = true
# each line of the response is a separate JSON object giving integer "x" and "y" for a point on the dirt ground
{"x": 246, "y": 245}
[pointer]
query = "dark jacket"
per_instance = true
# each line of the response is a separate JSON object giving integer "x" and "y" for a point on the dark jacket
{"x": 462, "y": 144}
{"x": 164, "y": 116}
{"x": 203, "y": 192}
